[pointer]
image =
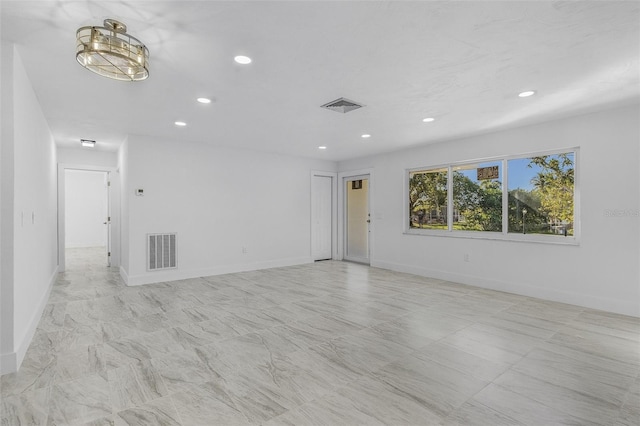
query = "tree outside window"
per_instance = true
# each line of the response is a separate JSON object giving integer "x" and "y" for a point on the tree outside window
{"x": 428, "y": 199}
{"x": 544, "y": 187}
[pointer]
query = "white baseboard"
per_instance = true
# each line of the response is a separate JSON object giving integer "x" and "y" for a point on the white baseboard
{"x": 124, "y": 275}
{"x": 176, "y": 274}
{"x": 10, "y": 362}
{"x": 610, "y": 305}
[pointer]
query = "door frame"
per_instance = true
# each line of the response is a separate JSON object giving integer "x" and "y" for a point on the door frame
{"x": 114, "y": 207}
{"x": 342, "y": 210}
{"x": 334, "y": 211}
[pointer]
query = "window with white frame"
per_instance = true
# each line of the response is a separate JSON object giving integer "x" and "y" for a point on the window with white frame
{"x": 530, "y": 197}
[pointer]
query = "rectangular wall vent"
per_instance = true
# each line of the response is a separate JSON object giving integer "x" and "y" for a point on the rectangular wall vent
{"x": 161, "y": 251}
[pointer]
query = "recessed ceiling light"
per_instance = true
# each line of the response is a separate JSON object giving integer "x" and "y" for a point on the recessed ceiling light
{"x": 180, "y": 123}
{"x": 365, "y": 136}
{"x": 322, "y": 147}
{"x": 204, "y": 100}
{"x": 87, "y": 143}
{"x": 244, "y": 60}
{"x": 428, "y": 119}
{"x": 527, "y": 93}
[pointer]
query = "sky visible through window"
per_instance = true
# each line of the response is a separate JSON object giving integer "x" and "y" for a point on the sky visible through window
{"x": 520, "y": 174}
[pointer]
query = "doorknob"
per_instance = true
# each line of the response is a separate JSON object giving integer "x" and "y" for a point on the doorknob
{"x": 104, "y": 223}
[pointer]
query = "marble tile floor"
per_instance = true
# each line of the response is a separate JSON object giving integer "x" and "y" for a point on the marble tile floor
{"x": 330, "y": 343}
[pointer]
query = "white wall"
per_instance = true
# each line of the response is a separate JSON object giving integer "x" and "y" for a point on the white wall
{"x": 85, "y": 209}
{"x": 602, "y": 272}
{"x": 218, "y": 201}
{"x": 34, "y": 211}
{"x": 87, "y": 157}
{"x": 123, "y": 209}
{"x": 7, "y": 353}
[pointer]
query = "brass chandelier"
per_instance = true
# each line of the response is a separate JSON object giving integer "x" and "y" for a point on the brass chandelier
{"x": 110, "y": 52}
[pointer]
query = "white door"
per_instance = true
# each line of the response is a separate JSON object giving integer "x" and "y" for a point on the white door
{"x": 321, "y": 215}
{"x": 357, "y": 219}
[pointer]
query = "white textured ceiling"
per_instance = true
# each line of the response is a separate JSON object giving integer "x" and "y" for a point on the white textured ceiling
{"x": 460, "y": 62}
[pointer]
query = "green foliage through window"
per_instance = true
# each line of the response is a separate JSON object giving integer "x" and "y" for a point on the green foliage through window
{"x": 477, "y": 201}
{"x": 545, "y": 204}
{"x": 428, "y": 199}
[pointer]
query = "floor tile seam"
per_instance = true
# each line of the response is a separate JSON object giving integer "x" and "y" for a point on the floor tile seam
{"x": 627, "y": 398}
{"x": 345, "y": 364}
{"x": 397, "y": 390}
{"x": 578, "y": 362}
{"x": 485, "y": 299}
{"x": 516, "y": 332}
{"x": 478, "y": 356}
{"x": 66, "y": 381}
{"x": 479, "y": 312}
{"x": 83, "y": 418}
{"x": 512, "y": 421}
{"x": 309, "y": 350}
{"x": 399, "y": 359}
{"x": 605, "y": 355}
{"x": 24, "y": 392}
{"x": 636, "y": 340}
{"x": 175, "y": 409}
{"x": 138, "y": 382}
{"x": 564, "y": 388}
{"x": 575, "y": 376}
{"x": 611, "y": 315}
{"x": 574, "y": 359}
{"x": 490, "y": 290}
{"x": 552, "y": 409}
{"x": 472, "y": 397}
{"x": 232, "y": 395}
{"x": 419, "y": 351}
{"x": 336, "y": 389}
{"x": 472, "y": 323}
{"x": 526, "y": 320}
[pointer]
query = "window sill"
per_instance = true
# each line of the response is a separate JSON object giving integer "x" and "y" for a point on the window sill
{"x": 498, "y": 236}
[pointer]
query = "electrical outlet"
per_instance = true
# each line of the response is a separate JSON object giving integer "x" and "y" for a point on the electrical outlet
{"x": 466, "y": 257}
{"x": 244, "y": 250}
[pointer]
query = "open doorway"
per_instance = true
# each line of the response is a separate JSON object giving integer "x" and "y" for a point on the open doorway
{"x": 90, "y": 230}
{"x": 87, "y": 218}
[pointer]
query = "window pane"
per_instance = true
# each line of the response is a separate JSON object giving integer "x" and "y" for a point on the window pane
{"x": 541, "y": 191}
{"x": 428, "y": 199}
{"x": 477, "y": 197}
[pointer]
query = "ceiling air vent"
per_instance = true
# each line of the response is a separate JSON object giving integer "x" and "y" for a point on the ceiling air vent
{"x": 342, "y": 105}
